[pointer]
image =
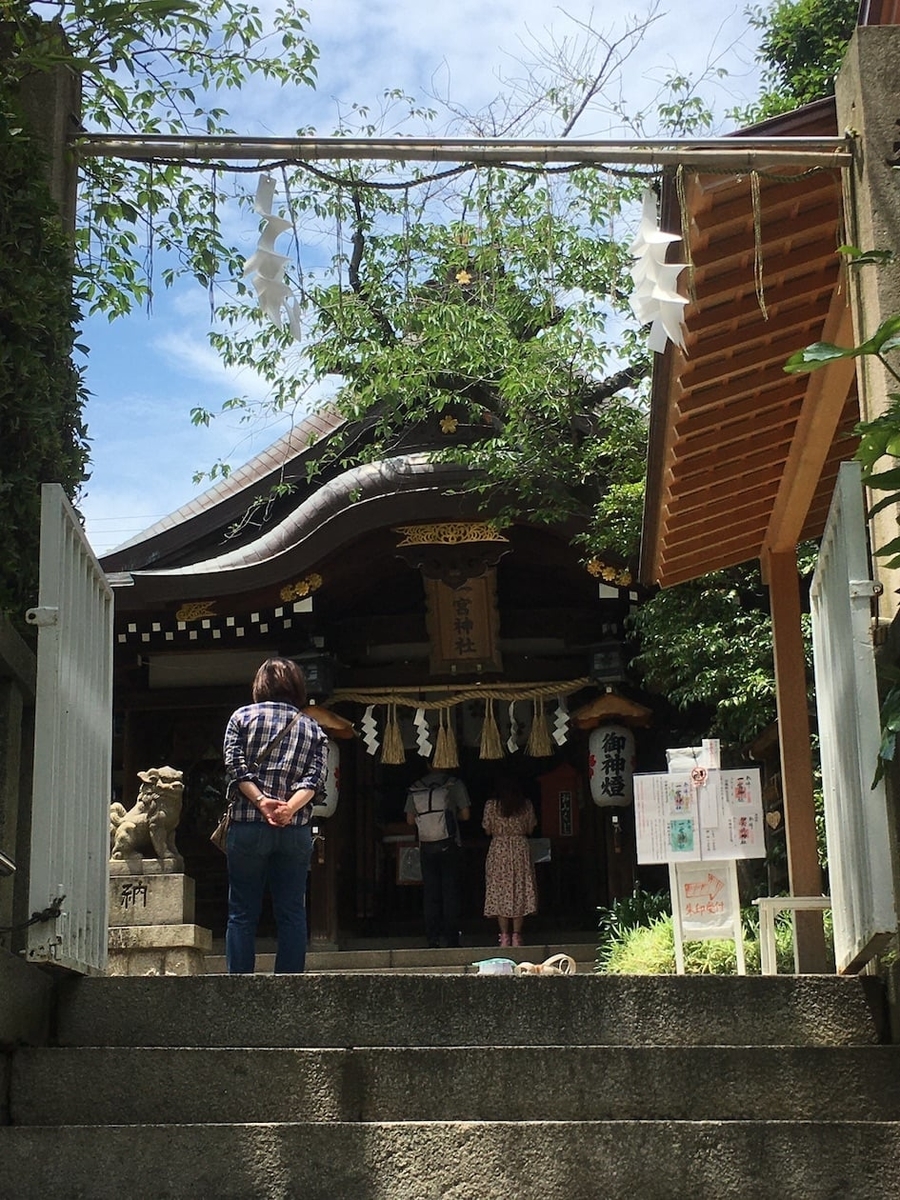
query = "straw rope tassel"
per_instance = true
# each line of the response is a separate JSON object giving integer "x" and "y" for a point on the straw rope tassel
{"x": 539, "y": 736}
{"x": 491, "y": 746}
{"x": 392, "y": 751}
{"x": 757, "y": 245}
{"x": 684, "y": 211}
{"x": 446, "y": 755}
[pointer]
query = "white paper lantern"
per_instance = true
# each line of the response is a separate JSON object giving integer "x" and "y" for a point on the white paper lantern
{"x": 332, "y": 782}
{"x": 611, "y": 765}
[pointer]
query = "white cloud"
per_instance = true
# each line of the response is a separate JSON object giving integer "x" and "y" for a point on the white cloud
{"x": 195, "y": 358}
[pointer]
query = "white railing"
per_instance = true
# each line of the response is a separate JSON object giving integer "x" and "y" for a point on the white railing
{"x": 72, "y": 748}
{"x": 856, "y": 823}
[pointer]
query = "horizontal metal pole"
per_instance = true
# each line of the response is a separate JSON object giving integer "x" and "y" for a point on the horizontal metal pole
{"x": 706, "y": 153}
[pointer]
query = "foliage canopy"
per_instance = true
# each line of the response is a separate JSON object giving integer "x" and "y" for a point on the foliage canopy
{"x": 494, "y": 301}
{"x": 801, "y": 48}
{"x": 153, "y": 65}
{"x": 42, "y": 437}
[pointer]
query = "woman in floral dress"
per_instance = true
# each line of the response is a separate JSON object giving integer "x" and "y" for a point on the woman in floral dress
{"x": 510, "y": 892}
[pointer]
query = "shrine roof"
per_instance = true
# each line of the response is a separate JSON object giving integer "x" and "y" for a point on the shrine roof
{"x": 743, "y": 457}
{"x": 225, "y": 499}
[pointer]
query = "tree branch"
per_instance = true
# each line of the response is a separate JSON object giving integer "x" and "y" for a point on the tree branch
{"x": 629, "y": 376}
{"x": 388, "y": 334}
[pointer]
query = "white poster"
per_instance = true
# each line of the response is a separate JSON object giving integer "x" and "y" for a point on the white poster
{"x": 666, "y": 818}
{"x": 703, "y": 814}
{"x": 706, "y": 900}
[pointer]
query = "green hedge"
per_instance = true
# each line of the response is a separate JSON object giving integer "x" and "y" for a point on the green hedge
{"x": 42, "y": 435}
{"x": 650, "y": 949}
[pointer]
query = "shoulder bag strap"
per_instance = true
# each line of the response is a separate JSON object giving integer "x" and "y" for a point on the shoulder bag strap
{"x": 270, "y": 746}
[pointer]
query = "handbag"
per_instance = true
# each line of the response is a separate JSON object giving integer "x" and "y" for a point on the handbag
{"x": 219, "y": 836}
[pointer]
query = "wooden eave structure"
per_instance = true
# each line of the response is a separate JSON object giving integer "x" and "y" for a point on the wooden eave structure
{"x": 743, "y": 456}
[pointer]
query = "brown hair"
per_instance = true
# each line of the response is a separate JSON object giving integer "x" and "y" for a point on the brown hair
{"x": 280, "y": 679}
{"x": 510, "y": 797}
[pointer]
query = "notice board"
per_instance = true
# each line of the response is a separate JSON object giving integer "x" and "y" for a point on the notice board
{"x": 693, "y": 816}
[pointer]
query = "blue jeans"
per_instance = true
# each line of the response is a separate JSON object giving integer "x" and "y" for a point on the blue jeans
{"x": 260, "y": 854}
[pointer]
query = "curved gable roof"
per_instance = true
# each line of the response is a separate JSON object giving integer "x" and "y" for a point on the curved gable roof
{"x": 226, "y": 499}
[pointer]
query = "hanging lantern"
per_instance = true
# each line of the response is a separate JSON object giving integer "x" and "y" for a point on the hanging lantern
{"x": 607, "y": 663}
{"x": 332, "y": 781}
{"x": 318, "y": 671}
{"x": 611, "y": 765}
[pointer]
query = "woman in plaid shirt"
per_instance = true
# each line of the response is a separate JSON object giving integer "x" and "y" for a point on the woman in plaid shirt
{"x": 269, "y": 838}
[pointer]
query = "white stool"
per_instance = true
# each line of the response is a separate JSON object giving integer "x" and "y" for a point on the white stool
{"x": 769, "y": 907}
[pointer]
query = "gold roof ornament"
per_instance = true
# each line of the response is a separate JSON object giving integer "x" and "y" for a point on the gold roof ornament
{"x": 449, "y": 533}
{"x": 195, "y": 610}
{"x": 610, "y": 707}
{"x": 600, "y": 570}
{"x": 301, "y": 588}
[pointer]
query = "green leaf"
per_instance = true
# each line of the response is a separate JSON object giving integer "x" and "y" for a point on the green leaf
{"x": 862, "y": 258}
{"x": 884, "y": 479}
{"x": 886, "y": 337}
{"x": 891, "y": 547}
{"x": 883, "y": 503}
{"x": 819, "y": 354}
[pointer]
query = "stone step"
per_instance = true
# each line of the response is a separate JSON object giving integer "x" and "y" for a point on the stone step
{"x": 126, "y": 1086}
{"x": 615, "y": 1160}
{"x": 447, "y": 960}
{"x": 389, "y": 1009}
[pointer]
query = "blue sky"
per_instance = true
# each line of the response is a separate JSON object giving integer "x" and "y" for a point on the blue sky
{"x": 146, "y": 372}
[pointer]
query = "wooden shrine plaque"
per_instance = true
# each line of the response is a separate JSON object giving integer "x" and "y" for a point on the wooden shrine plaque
{"x": 463, "y": 626}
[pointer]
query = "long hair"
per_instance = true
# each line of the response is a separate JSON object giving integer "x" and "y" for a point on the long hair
{"x": 510, "y": 797}
{"x": 280, "y": 679}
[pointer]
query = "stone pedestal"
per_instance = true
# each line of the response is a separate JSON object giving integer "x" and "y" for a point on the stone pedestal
{"x": 151, "y": 915}
{"x": 150, "y": 900}
{"x": 159, "y": 950}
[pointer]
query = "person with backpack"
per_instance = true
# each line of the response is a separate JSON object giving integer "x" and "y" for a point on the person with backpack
{"x": 436, "y": 804}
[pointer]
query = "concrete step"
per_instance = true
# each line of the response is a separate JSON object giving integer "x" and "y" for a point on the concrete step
{"x": 389, "y": 1009}
{"x": 447, "y": 960}
{"x": 615, "y": 1160}
{"x": 125, "y": 1086}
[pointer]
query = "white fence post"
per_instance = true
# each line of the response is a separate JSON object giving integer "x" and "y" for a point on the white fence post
{"x": 856, "y": 824}
{"x": 73, "y": 746}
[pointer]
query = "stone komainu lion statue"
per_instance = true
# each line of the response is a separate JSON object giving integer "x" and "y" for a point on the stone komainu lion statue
{"x": 148, "y": 828}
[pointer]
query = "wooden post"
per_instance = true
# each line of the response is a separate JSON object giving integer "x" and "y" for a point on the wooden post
{"x": 796, "y": 757}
